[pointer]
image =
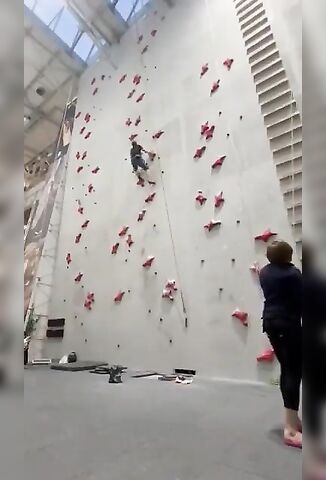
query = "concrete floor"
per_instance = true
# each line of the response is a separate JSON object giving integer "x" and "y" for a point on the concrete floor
{"x": 79, "y": 427}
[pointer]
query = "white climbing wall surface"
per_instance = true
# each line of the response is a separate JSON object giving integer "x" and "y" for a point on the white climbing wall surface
{"x": 159, "y": 277}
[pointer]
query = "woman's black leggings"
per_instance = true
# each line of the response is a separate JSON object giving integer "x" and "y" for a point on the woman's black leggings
{"x": 287, "y": 345}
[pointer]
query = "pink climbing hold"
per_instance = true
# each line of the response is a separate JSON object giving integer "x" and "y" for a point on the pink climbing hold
{"x": 115, "y": 248}
{"x": 210, "y": 132}
{"x": 149, "y": 262}
{"x": 87, "y": 117}
{"x": 219, "y": 162}
{"x": 90, "y": 188}
{"x": 204, "y": 128}
{"x": 68, "y": 258}
{"x": 167, "y": 294}
{"x": 78, "y": 115}
{"x": 84, "y": 155}
{"x": 128, "y": 122}
{"x": 255, "y": 267}
{"x": 228, "y": 63}
{"x": 266, "y": 235}
{"x": 81, "y": 210}
{"x": 118, "y": 298}
{"x": 172, "y": 285}
{"x": 78, "y": 237}
{"x": 79, "y": 277}
{"x": 131, "y": 94}
{"x": 78, "y": 155}
{"x": 124, "y": 231}
{"x": 137, "y": 79}
{"x": 88, "y": 135}
{"x": 79, "y": 169}
{"x": 129, "y": 241}
{"x": 204, "y": 70}
{"x": 123, "y": 78}
{"x": 82, "y": 130}
{"x": 91, "y": 297}
{"x": 201, "y": 198}
{"x": 153, "y": 33}
{"x": 96, "y": 170}
{"x": 211, "y": 225}
{"x": 219, "y": 200}
{"x": 141, "y": 215}
{"x": 267, "y": 356}
{"x": 88, "y": 304}
{"x": 93, "y": 81}
{"x": 85, "y": 224}
{"x": 151, "y": 156}
{"x": 158, "y": 134}
{"x": 144, "y": 50}
{"x": 141, "y": 182}
{"x": 140, "y": 39}
{"x": 169, "y": 290}
{"x": 133, "y": 136}
{"x": 138, "y": 120}
{"x": 95, "y": 91}
{"x": 242, "y": 316}
{"x": 150, "y": 198}
{"x": 215, "y": 87}
{"x": 139, "y": 99}
{"x": 199, "y": 153}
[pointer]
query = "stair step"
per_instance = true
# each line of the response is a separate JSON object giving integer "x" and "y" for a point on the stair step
{"x": 255, "y": 27}
{"x": 289, "y": 165}
{"x": 280, "y": 112}
{"x": 274, "y": 103}
{"x": 267, "y": 59}
{"x": 250, "y": 11}
{"x": 241, "y": 2}
{"x": 287, "y": 152}
{"x": 287, "y": 138}
{"x": 267, "y": 70}
{"x": 256, "y": 17}
{"x": 273, "y": 90}
{"x": 287, "y": 123}
{"x": 245, "y": 7}
{"x": 295, "y": 190}
{"x": 271, "y": 79}
{"x": 262, "y": 41}
{"x": 251, "y": 39}
{"x": 262, "y": 51}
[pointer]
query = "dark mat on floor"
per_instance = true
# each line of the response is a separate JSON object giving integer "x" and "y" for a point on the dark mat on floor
{"x": 78, "y": 366}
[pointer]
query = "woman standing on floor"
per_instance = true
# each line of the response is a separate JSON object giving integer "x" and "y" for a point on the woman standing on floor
{"x": 281, "y": 283}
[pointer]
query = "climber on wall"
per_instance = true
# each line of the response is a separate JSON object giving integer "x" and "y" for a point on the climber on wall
{"x": 136, "y": 157}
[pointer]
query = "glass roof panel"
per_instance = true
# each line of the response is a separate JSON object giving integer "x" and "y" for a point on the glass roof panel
{"x": 67, "y": 27}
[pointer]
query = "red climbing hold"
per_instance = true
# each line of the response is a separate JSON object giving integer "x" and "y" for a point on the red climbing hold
{"x": 200, "y": 198}
{"x": 78, "y": 237}
{"x": 115, "y": 248}
{"x": 81, "y": 210}
{"x": 138, "y": 120}
{"x": 215, "y": 87}
{"x": 153, "y": 33}
{"x": 88, "y": 304}
{"x": 212, "y": 224}
{"x": 255, "y": 267}
{"x": 139, "y": 99}
{"x": 199, "y": 153}
{"x": 129, "y": 241}
{"x": 144, "y": 50}
{"x": 242, "y": 316}
{"x": 123, "y": 231}
{"x": 78, "y": 115}
{"x": 133, "y": 136}
{"x": 78, "y": 155}
{"x": 219, "y": 200}
{"x": 267, "y": 356}
{"x": 140, "y": 39}
{"x": 130, "y": 94}
{"x": 95, "y": 91}
{"x": 93, "y": 81}
{"x": 79, "y": 169}
{"x": 172, "y": 285}
{"x": 150, "y": 198}
{"x": 218, "y": 162}
{"x": 265, "y": 236}
{"x": 210, "y": 132}
{"x": 68, "y": 258}
{"x": 79, "y": 277}
{"x": 141, "y": 182}
{"x": 228, "y": 63}
{"x": 128, "y": 122}
{"x": 141, "y": 215}
{"x": 82, "y": 130}
{"x": 204, "y": 70}
{"x": 148, "y": 262}
{"x": 90, "y": 188}
{"x": 123, "y": 78}
{"x": 85, "y": 224}
{"x": 84, "y": 155}
{"x": 91, "y": 297}
{"x": 87, "y": 117}
{"x": 137, "y": 79}
{"x": 118, "y": 298}
{"x": 167, "y": 294}
{"x": 204, "y": 128}
{"x": 151, "y": 156}
{"x": 88, "y": 135}
{"x": 157, "y": 135}
{"x": 96, "y": 170}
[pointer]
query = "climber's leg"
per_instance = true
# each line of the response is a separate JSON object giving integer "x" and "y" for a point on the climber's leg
{"x": 141, "y": 163}
{"x": 134, "y": 162}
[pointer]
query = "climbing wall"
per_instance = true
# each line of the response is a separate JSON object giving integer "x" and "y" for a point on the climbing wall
{"x": 161, "y": 272}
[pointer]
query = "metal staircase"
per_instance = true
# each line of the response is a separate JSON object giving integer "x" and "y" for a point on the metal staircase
{"x": 279, "y": 109}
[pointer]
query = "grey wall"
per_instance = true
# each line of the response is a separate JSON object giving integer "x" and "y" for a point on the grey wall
{"x": 177, "y": 101}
